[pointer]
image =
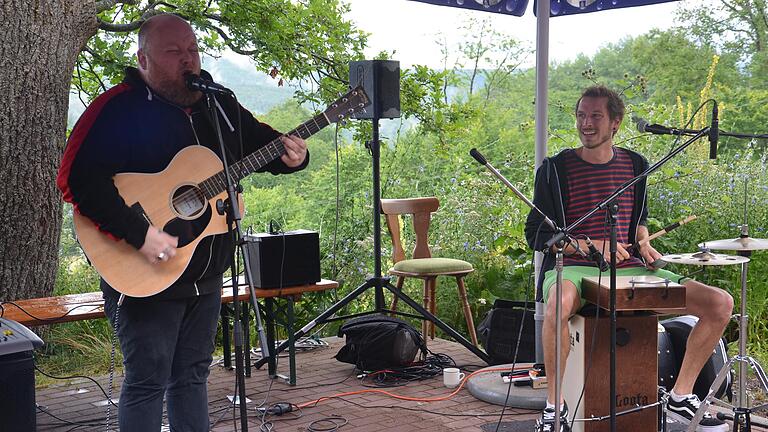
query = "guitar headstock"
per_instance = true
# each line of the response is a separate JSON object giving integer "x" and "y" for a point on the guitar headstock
{"x": 349, "y": 104}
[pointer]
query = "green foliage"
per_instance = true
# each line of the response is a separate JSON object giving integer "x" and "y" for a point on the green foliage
{"x": 479, "y": 220}
{"x": 305, "y": 42}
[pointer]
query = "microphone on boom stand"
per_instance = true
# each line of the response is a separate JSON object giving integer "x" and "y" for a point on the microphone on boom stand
{"x": 714, "y": 132}
{"x": 597, "y": 256}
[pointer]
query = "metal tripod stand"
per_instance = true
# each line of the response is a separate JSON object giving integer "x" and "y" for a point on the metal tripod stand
{"x": 741, "y": 411}
{"x": 377, "y": 281}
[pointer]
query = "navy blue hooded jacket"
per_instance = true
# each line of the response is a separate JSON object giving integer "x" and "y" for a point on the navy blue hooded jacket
{"x": 130, "y": 128}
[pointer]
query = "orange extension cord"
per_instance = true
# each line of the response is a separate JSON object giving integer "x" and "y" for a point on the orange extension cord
{"x": 396, "y": 396}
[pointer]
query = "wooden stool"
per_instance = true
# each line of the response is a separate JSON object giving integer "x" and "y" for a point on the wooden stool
{"x": 423, "y": 265}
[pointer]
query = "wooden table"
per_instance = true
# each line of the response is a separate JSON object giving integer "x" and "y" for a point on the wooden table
{"x": 271, "y": 310}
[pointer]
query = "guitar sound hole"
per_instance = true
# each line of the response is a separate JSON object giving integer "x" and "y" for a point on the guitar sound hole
{"x": 188, "y": 202}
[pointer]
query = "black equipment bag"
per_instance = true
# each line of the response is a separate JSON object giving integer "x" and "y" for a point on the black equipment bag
{"x": 678, "y": 329}
{"x": 375, "y": 342}
{"x": 499, "y": 329}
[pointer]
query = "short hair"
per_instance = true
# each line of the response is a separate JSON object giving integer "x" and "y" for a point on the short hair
{"x": 149, "y": 24}
{"x": 615, "y": 104}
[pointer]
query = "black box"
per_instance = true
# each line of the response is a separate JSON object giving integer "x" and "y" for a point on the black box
{"x": 381, "y": 81}
{"x": 17, "y": 377}
{"x": 284, "y": 259}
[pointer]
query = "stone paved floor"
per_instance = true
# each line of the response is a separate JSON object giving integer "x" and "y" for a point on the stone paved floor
{"x": 318, "y": 375}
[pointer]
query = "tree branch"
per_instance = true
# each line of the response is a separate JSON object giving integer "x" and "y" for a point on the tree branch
{"x": 102, "y": 5}
{"x": 120, "y": 28}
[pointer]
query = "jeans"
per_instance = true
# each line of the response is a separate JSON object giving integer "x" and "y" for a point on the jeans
{"x": 167, "y": 349}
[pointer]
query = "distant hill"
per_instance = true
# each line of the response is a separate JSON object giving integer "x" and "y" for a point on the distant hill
{"x": 255, "y": 90}
{"x": 258, "y": 92}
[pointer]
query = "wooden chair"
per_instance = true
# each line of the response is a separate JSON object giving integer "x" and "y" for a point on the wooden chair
{"x": 423, "y": 265}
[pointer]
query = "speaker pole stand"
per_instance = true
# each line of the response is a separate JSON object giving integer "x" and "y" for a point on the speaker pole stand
{"x": 377, "y": 281}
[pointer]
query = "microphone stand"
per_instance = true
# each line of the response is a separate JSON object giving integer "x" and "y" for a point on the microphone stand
{"x": 559, "y": 247}
{"x": 231, "y": 208}
{"x": 611, "y": 203}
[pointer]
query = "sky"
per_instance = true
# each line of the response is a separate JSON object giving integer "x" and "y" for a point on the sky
{"x": 409, "y": 28}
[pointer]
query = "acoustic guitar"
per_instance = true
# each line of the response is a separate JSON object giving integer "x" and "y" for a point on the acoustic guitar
{"x": 182, "y": 199}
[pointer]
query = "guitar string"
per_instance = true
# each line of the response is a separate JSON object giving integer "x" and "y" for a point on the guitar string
{"x": 216, "y": 181}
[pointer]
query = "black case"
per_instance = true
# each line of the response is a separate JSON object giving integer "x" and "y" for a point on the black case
{"x": 499, "y": 329}
{"x": 284, "y": 259}
{"x": 375, "y": 342}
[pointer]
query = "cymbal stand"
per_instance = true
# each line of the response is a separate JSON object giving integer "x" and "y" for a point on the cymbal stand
{"x": 741, "y": 412}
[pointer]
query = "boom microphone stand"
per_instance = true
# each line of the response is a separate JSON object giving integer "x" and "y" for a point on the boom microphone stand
{"x": 560, "y": 246}
{"x": 377, "y": 281}
{"x": 231, "y": 207}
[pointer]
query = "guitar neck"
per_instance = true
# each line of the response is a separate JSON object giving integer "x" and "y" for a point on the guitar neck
{"x": 217, "y": 183}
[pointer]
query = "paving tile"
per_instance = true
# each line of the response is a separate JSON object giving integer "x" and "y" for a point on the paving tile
{"x": 318, "y": 375}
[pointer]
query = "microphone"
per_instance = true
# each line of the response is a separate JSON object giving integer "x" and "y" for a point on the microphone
{"x": 596, "y": 256}
{"x": 478, "y": 156}
{"x": 714, "y": 132}
{"x": 644, "y": 127}
{"x": 194, "y": 82}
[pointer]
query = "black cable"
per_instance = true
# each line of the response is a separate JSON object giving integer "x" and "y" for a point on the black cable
{"x": 78, "y": 376}
{"x": 334, "y": 267}
{"x": 398, "y": 376}
{"x": 336, "y": 423}
{"x": 113, "y": 354}
{"x": 689, "y": 123}
{"x": 522, "y": 325}
{"x": 595, "y": 329}
{"x": 521, "y": 412}
{"x": 81, "y": 423}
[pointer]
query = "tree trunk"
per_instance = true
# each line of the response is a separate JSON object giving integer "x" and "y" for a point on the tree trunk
{"x": 39, "y": 42}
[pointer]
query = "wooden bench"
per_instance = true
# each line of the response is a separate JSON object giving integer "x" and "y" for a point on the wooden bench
{"x": 85, "y": 306}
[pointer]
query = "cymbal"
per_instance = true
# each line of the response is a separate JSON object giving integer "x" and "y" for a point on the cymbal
{"x": 704, "y": 258}
{"x": 737, "y": 244}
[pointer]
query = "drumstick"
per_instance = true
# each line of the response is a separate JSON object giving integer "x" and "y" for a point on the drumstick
{"x": 663, "y": 231}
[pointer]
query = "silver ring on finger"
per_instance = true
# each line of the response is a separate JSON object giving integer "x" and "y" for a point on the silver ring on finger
{"x": 161, "y": 256}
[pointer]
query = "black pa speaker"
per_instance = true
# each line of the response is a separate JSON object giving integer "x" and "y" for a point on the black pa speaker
{"x": 381, "y": 81}
{"x": 284, "y": 259}
{"x": 17, "y": 377}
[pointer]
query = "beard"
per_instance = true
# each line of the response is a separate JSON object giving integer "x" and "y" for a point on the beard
{"x": 175, "y": 90}
{"x": 595, "y": 141}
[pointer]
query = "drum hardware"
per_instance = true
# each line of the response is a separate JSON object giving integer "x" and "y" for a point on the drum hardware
{"x": 644, "y": 281}
{"x": 557, "y": 242}
{"x": 744, "y": 246}
{"x": 705, "y": 258}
